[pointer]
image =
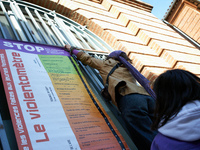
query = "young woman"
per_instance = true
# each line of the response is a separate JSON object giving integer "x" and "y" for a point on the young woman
{"x": 134, "y": 102}
{"x": 177, "y": 111}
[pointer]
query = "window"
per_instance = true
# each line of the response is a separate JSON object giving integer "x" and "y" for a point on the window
{"x": 24, "y": 22}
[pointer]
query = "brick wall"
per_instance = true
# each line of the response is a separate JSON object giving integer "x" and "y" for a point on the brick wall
{"x": 152, "y": 45}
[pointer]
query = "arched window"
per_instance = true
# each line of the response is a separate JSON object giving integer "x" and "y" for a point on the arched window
{"x": 23, "y": 21}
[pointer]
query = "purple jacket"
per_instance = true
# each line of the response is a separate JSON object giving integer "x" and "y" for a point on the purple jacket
{"x": 182, "y": 132}
{"x": 162, "y": 142}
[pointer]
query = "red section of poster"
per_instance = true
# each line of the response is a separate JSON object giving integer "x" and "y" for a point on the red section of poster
{"x": 19, "y": 125}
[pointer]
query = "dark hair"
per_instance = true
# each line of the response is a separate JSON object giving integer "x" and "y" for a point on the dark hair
{"x": 124, "y": 55}
{"x": 173, "y": 89}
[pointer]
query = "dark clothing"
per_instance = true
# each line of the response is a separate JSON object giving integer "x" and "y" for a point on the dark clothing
{"x": 137, "y": 112}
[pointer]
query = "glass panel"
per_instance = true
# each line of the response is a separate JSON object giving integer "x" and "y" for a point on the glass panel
{"x": 79, "y": 40}
{"x": 44, "y": 33}
{"x": 17, "y": 27}
{"x": 55, "y": 35}
{"x": 1, "y": 35}
{"x": 6, "y": 27}
{"x": 99, "y": 44}
{"x": 40, "y": 39}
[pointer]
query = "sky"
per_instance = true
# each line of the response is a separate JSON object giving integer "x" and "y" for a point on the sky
{"x": 159, "y": 7}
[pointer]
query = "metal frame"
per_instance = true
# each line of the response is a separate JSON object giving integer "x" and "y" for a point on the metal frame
{"x": 2, "y": 31}
{"x": 36, "y": 25}
{"x": 9, "y": 20}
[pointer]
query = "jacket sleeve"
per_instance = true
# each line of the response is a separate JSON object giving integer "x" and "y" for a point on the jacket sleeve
{"x": 89, "y": 60}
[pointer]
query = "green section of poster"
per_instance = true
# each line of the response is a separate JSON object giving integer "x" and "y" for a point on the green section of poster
{"x": 57, "y": 64}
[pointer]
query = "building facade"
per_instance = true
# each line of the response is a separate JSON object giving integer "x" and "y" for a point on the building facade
{"x": 129, "y": 25}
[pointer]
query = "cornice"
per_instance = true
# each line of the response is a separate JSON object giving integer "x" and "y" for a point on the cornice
{"x": 173, "y": 3}
{"x": 195, "y": 2}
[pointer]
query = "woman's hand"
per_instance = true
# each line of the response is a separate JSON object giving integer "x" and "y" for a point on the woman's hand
{"x": 67, "y": 47}
{"x": 70, "y": 48}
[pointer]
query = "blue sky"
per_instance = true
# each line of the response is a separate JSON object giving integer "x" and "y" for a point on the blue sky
{"x": 159, "y": 7}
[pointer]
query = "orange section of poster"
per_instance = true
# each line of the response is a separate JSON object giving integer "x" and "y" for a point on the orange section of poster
{"x": 87, "y": 122}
